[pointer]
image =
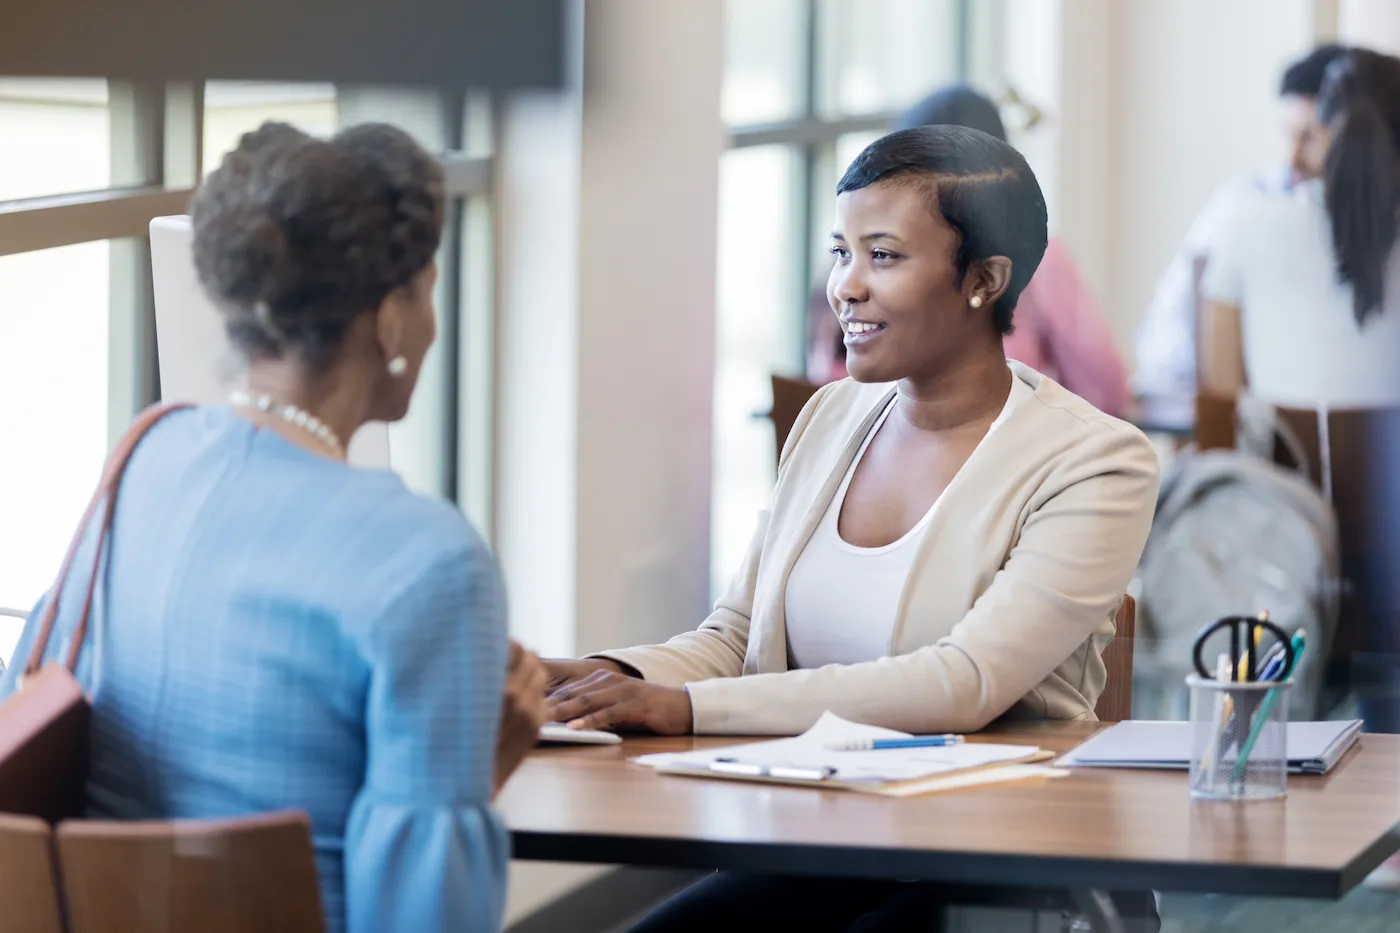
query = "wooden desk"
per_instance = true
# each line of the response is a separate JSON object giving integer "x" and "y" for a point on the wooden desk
{"x": 1106, "y": 829}
{"x": 1164, "y": 414}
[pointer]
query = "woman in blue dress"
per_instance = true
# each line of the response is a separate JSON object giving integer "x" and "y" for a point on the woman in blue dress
{"x": 276, "y": 629}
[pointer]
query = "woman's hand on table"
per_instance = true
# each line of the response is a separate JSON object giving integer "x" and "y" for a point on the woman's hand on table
{"x": 523, "y": 710}
{"x": 608, "y": 698}
{"x": 564, "y": 671}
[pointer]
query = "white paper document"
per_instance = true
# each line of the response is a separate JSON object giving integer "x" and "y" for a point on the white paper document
{"x": 809, "y": 751}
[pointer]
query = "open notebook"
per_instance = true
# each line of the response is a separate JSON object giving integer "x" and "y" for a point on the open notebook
{"x": 807, "y": 761}
{"x": 1313, "y": 747}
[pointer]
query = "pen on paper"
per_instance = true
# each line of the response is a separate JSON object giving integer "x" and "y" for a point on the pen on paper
{"x": 913, "y": 741}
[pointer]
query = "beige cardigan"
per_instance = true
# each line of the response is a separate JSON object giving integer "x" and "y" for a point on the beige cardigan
{"x": 1006, "y": 608}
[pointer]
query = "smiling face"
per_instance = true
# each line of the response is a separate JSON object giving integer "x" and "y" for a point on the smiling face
{"x": 895, "y": 288}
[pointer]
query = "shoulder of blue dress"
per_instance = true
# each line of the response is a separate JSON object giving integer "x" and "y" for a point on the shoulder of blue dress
{"x": 436, "y": 523}
{"x": 421, "y": 545}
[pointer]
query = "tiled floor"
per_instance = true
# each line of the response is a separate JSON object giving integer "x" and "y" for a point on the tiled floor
{"x": 1363, "y": 911}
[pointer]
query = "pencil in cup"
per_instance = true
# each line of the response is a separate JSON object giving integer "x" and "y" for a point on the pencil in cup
{"x": 1227, "y": 669}
{"x": 1266, "y": 709}
{"x": 1223, "y": 708}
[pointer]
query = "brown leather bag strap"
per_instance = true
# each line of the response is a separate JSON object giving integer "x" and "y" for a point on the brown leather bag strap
{"x": 106, "y": 494}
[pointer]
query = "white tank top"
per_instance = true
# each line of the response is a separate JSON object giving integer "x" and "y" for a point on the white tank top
{"x": 841, "y": 599}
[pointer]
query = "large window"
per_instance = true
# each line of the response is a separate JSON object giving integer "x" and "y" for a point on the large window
{"x": 807, "y": 84}
{"x": 232, "y": 108}
{"x": 84, "y": 167}
{"x": 54, "y": 382}
{"x": 54, "y": 137}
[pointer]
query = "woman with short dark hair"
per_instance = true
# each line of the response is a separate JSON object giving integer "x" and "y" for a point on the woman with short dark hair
{"x": 280, "y": 630}
{"x": 950, "y": 535}
{"x": 949, "y": 531}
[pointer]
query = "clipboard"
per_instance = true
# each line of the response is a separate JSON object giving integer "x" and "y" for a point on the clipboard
{"x": 1029, "y": 767}
{"x": 816, "y": 759}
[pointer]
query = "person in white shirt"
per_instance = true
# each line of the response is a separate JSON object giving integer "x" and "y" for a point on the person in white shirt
{"x": 1303, "y": 291}
{"x": 1303, "y": 302}
{"x": 1166, "y": 338}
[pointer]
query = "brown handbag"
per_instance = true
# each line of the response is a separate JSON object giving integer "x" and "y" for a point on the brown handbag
{"x": 44, "y": 723}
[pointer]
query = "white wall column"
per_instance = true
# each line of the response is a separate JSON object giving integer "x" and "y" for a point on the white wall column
{"x": 1374, "y": 24}
{"x": 607, "y": 196}
{"x": 1091, "y": 110}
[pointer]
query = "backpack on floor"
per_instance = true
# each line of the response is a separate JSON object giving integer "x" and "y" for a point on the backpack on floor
{"x": 1233, "y": 534}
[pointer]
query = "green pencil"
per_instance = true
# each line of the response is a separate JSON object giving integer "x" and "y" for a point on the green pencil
{"x": 1300, "y": 642}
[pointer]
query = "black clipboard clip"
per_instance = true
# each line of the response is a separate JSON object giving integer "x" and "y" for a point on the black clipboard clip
{"x": 1246, "y": 629}
{"x": 777, "y": 772}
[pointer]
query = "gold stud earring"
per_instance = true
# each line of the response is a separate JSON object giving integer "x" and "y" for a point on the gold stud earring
{"x": 976, "y": 301}
{"x": 398, "y": 366}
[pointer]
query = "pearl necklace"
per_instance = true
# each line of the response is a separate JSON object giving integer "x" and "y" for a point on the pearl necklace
{"x": 292, "y": 415}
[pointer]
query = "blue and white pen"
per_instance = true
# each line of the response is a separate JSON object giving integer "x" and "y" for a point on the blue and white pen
{"x": 875, "y": 745}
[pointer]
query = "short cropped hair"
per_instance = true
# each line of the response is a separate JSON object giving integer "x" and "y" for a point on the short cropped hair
{"x": 979, "y": 185}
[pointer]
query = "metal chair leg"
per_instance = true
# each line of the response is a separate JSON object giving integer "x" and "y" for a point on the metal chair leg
{"x": 1098, "y": 908}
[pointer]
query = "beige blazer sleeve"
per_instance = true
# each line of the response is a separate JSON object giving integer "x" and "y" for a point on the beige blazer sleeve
{"x": 717, "y": 648}
{"x": 1065, "y": 575}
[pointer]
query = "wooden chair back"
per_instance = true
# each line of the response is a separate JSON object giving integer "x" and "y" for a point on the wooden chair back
{"x": 789, "y": 396}
{"x": 248, "y": 875}
{"x": 1347, "y": 468}
{"x": 1116, "y": 702}
{"x": 30, "y": 902}
{"x": 1215, "y": 421}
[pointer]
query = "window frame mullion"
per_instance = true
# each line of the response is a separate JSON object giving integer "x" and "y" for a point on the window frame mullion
{"x": 138, "y": 150}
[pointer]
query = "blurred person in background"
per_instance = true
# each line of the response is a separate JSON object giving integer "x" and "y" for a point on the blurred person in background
{"x": 1303, "y": 303}
{"x": 826, "y": 341}
{"x": 1060, "y": 329}
{"x": 1167, "y": 336}
{"x": 280, "y": 630}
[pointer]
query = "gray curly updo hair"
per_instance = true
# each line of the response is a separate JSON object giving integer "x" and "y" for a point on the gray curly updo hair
{"x": 295, "y": 237}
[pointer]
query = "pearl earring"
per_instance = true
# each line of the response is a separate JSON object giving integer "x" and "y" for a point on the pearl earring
{"x": 398, "y": 366}
{"x": 976, "y": 301}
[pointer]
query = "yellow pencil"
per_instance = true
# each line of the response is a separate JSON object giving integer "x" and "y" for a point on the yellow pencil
{"x": 1240, "y": 669}
{"x": 1227, "y": 706}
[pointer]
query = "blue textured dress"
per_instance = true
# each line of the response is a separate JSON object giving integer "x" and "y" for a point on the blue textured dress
{"x": 279, "y": 630}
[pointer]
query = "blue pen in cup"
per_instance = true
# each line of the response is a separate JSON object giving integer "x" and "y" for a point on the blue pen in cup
{"x": 1276, "y": 666}
{"x": 1233, "y": 704}
{"x": 913, "y": 741}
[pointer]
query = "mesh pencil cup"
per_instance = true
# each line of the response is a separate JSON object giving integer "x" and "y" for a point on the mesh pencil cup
{"x": 1239, "y": 739}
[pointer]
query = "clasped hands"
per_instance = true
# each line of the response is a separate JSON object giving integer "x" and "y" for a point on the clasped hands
{"x": 597, "y": 694}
